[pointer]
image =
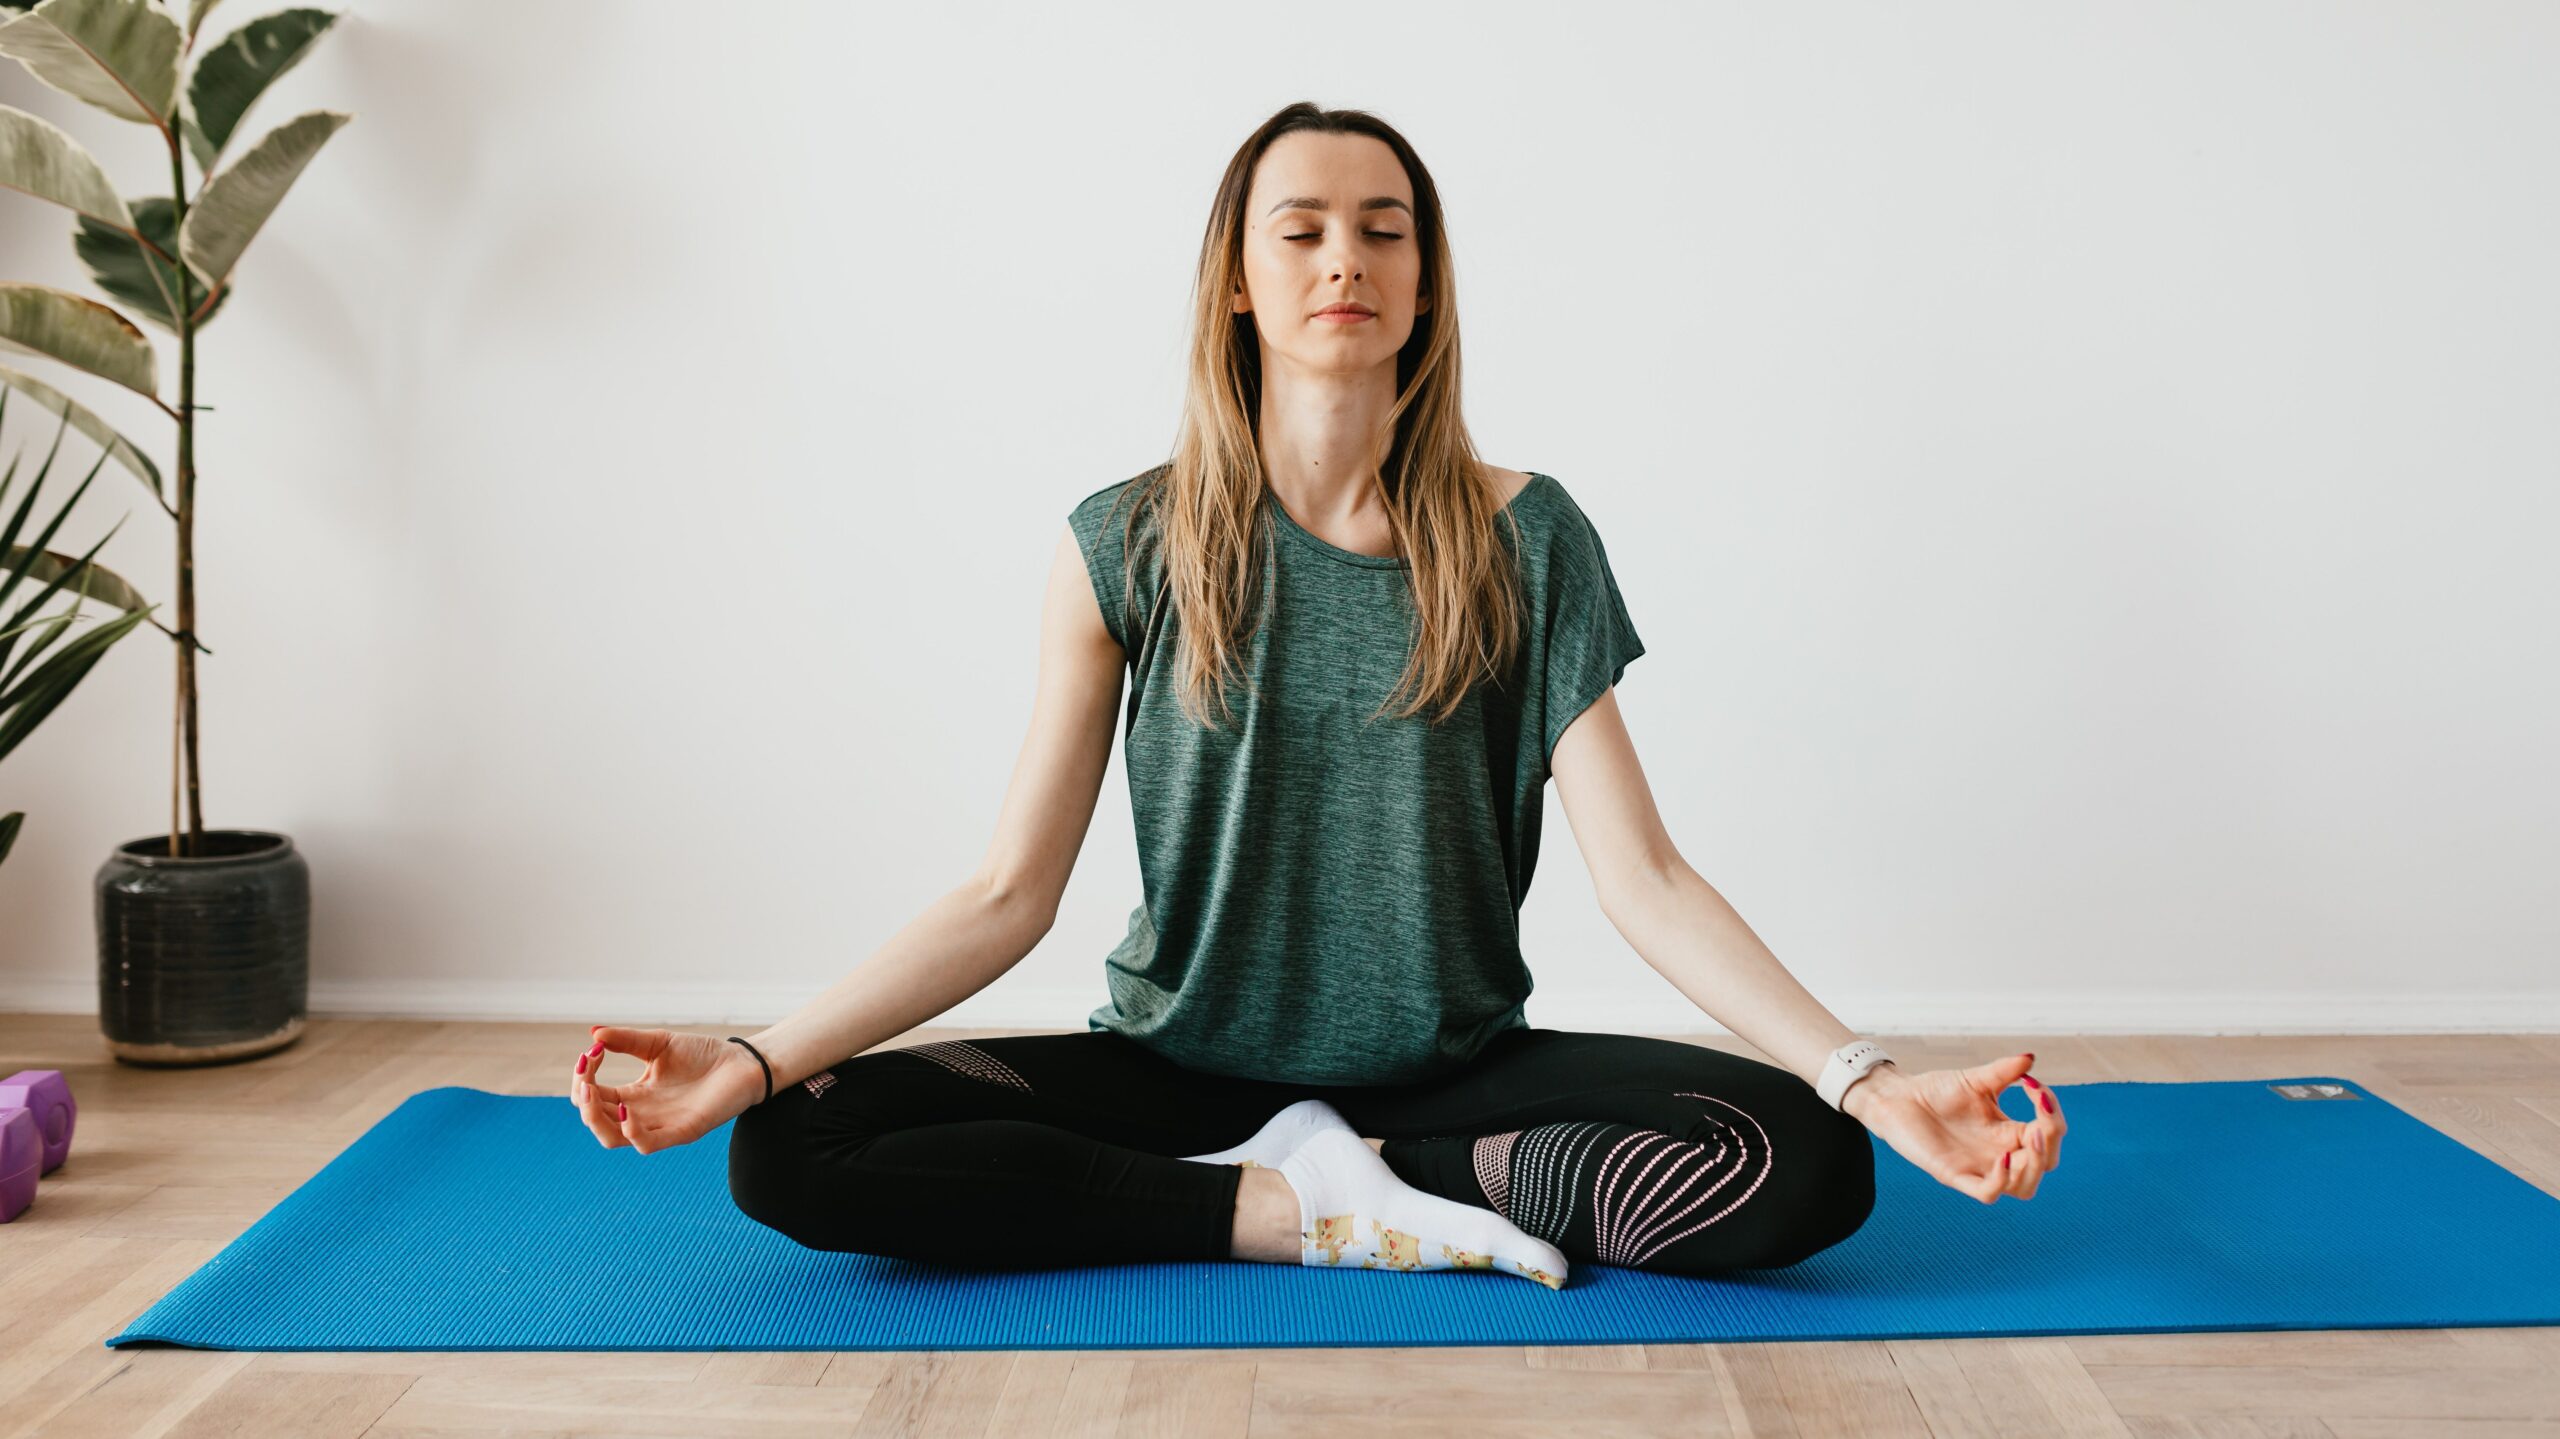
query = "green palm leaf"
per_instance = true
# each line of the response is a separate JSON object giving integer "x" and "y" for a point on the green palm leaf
{"x": 123, "y": 451}
{"x": 16, "y": 570}
{"x": 24, "y": 703}
{"x": 25, "y": 707}
{"x": 102, "y": 584}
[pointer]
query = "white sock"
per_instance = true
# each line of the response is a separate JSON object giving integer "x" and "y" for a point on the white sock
{"x": 1280, "y": 1136}
{"x": 1353, "y": 1210}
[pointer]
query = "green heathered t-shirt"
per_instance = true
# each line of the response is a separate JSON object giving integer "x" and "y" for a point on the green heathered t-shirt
{"x": 1329, "y": 899}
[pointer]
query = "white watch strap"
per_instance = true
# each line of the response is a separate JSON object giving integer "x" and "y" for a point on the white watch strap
{"x": 1847, "y": 1065}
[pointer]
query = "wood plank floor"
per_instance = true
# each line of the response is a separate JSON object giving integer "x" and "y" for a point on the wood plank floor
{"x": 170, "y": 1165}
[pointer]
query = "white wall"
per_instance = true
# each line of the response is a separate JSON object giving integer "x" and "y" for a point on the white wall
{"x": 2085, "y": 479}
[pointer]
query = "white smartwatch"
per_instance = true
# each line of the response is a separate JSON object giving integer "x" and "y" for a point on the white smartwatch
{"x": 1847, "y": 1065}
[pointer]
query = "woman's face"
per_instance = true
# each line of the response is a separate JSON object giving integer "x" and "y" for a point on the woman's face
{"x": 1329, "y": 220}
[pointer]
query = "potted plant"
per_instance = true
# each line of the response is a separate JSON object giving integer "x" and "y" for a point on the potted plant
{"x": 30, "y": 691}
{"x": 202, "y": 934}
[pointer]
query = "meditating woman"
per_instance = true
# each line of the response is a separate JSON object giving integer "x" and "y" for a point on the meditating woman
{"x": 1355, "y": 657}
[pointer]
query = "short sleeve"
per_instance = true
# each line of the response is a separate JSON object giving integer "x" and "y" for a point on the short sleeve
{"x": 1100, "y": 522}
{"x": 1588, "y": 639}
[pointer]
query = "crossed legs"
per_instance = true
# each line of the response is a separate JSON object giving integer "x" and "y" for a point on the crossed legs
{"x": 1053, "y": 1149}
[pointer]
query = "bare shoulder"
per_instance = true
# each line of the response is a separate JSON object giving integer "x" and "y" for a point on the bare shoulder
{"x": 1507, "y": 484}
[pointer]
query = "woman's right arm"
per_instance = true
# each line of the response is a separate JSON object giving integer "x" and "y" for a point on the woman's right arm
{"x": 968, "y": 937}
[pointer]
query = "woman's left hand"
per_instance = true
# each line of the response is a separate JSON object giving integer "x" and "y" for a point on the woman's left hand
{"x": 1949, "y": 1123}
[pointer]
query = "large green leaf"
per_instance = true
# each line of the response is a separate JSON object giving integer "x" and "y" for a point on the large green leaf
{"x": 119, "y": 55}
{"x": 228, "y": 78}
{"x": 9, "y": 831}
{"x": 81, "y": 333}
{"x": 127, "y": 271}
{"x": 37, "y": 157}
{"x": 236, "y": 202}
{"x": 103, "y": 585}
{"x": 123, "y": 451}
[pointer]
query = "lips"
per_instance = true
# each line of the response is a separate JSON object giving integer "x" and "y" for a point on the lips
{"x": 1360, "y": 311}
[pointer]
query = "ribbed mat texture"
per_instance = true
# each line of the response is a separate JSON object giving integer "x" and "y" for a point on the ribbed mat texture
{"x": 471, "y": 1220}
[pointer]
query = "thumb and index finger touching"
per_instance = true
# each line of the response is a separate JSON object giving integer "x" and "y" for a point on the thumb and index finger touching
{"x": 642, "y": 1044}
{"x": 638, "y": 1043}
{"x": 1995, "y": 1079}
{"x": 1999, "y": 1074}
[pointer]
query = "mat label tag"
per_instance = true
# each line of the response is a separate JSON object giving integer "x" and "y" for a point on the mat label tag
{"x": 2315, "y": 1091}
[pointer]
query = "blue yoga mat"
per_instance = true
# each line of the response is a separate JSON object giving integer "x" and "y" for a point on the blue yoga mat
{"x": 471, "y": 1220}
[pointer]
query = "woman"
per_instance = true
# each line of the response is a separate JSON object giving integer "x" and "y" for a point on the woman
{"x": 1314, "y": 1049}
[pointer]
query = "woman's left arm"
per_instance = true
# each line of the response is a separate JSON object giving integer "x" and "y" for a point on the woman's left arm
{"x": 1947, "y": 1121}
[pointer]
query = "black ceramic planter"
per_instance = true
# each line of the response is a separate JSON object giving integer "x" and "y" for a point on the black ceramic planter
{"x": 205, "y": 959}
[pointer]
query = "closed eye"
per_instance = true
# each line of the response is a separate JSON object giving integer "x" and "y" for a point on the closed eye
{"x": 1381, "y": 234}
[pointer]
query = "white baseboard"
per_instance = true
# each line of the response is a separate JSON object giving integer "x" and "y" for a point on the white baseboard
{"x": 1002, "y": 1006}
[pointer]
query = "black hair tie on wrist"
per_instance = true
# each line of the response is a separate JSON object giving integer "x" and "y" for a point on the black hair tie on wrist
{"x": 760, "y": 1064}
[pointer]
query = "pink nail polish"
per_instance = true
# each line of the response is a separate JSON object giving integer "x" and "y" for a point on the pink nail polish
{"x": 2047, "y": 1097}
{"x": 2004, "y": 1161}
{"x": 2031, "y": 1081}
{"x": 626, "y": 1111}
{"x": 582, "y": 1064}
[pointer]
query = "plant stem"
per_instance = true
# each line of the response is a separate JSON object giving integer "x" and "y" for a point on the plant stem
{"x": 189, "y": 776}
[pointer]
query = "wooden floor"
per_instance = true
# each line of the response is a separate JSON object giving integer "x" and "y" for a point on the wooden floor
{"x": 170, "y": 1165}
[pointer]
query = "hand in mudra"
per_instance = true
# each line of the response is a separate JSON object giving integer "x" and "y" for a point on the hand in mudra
{"x": 1950, "y": 1124}
{"x": 692, "y": 1085}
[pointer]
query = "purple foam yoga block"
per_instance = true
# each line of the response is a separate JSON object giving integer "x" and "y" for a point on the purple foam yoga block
{"x": 47, "y": 1095}
{"x": 21, "y": 1149}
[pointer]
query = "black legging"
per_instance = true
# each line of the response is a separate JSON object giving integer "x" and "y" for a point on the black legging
{"x": 1050, "y": 1149}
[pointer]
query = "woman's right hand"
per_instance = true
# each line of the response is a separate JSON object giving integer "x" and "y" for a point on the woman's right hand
{"x": 692, "y": 1085}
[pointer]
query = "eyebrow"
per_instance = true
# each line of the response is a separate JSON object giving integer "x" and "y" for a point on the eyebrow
{"x": 1315, "y": 202}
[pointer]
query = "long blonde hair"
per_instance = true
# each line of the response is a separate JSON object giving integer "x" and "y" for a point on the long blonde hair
{"x": 1439, "y": 497}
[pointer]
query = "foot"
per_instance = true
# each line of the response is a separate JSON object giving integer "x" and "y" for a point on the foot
{"x": 1279, "y": 1136}
{"x": 1354, "y": 1211}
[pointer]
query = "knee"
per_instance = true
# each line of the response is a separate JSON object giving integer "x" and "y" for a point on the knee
{"x": 795, "y": 1170}
{"x": 765, "y": 1175}
{"x": 1830, "y": 1192}
{"x": 787, "y": 1171}
{"x": 1818, "y": 1189}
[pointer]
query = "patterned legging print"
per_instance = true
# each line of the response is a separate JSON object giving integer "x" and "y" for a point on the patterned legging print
{"x": 1628, "y": 1187}
{"x": 969, "y": 1059}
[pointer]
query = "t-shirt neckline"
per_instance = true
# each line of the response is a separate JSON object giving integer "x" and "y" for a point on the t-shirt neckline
{"x": 1331, "y": 550}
